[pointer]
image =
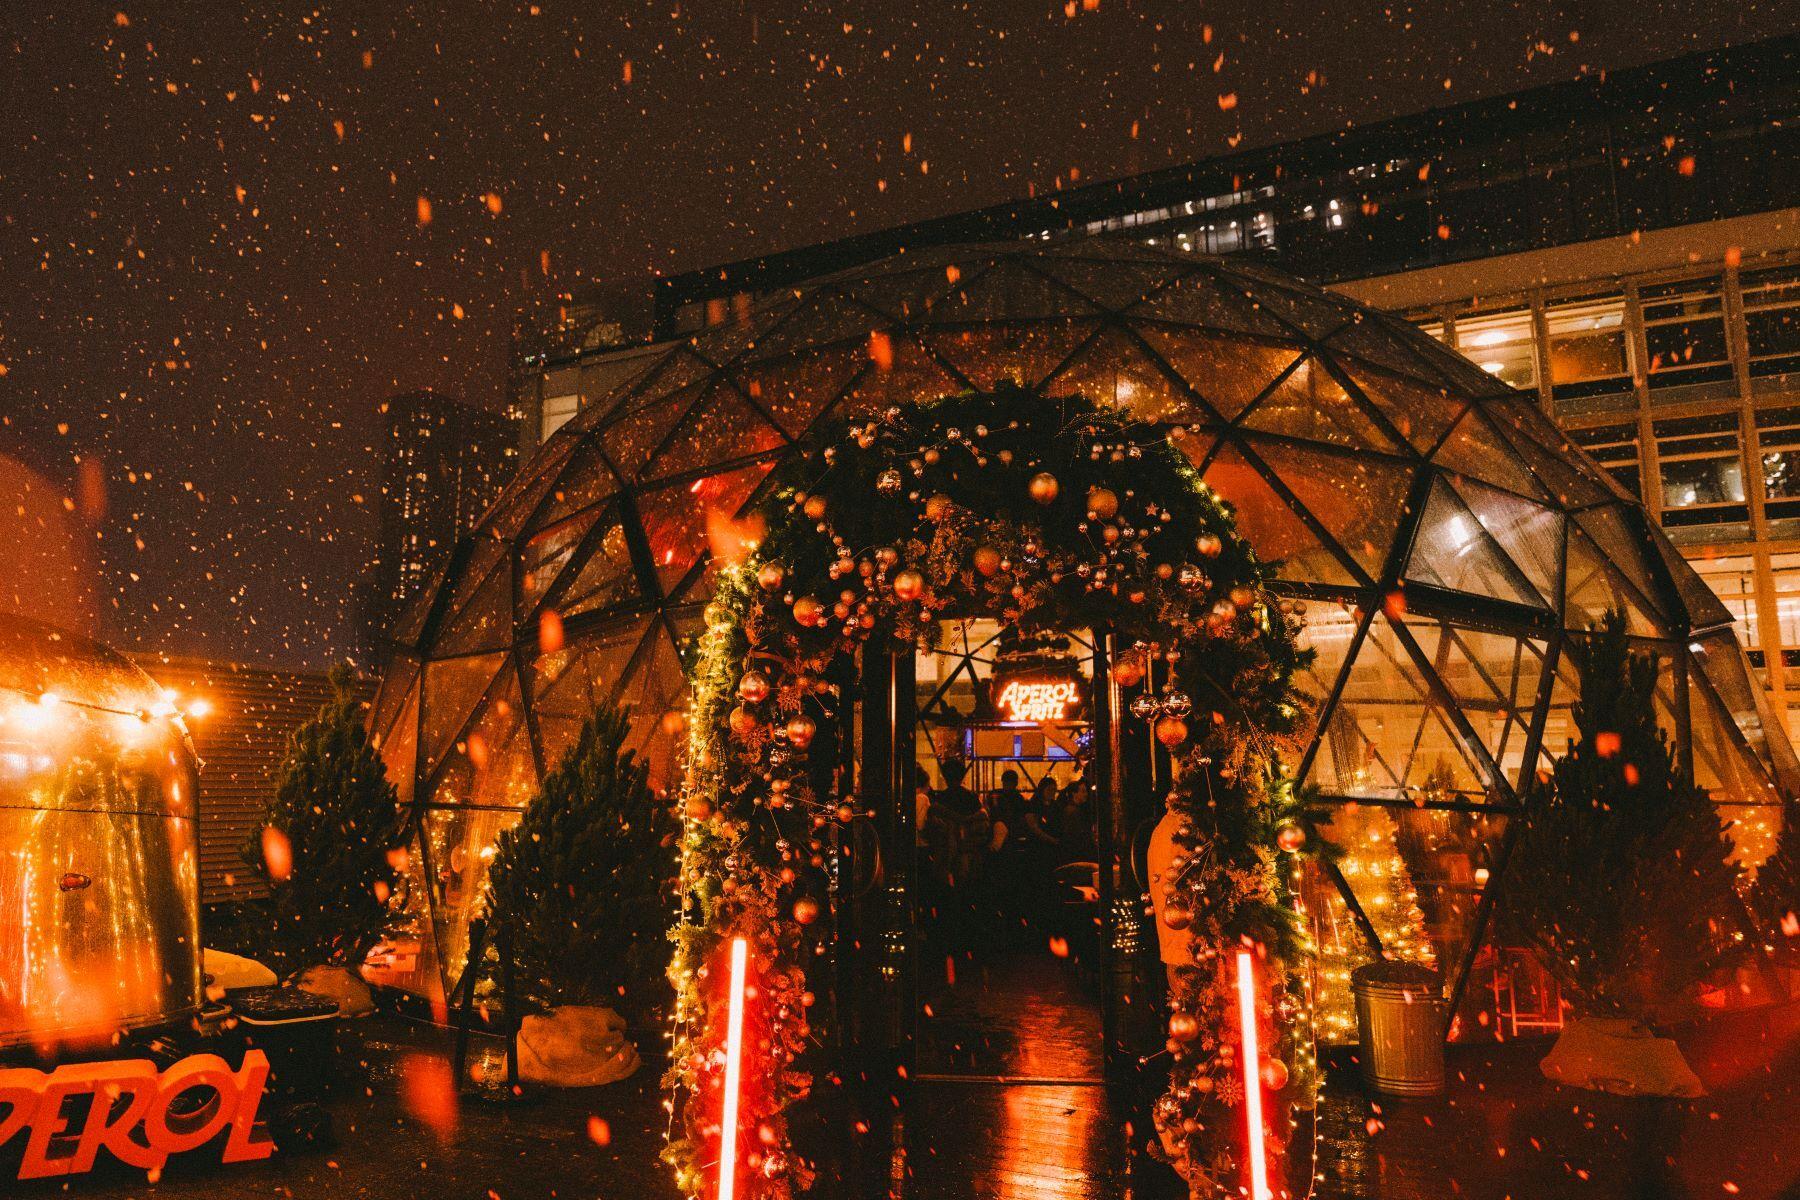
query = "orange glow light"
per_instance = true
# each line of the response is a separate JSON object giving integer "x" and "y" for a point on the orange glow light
{"x": 1253, "y": 1110}
{"x": 734, "y": 1065}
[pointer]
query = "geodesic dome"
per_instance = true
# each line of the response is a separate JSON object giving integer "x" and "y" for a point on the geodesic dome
{"x": 1449, "y": 545}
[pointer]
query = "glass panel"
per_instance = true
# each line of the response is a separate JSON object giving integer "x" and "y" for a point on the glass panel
{"x": 720, "y": 428}
{"x": 587, "y": 481}
{"x": 1476, "y": 450}
{"x": 1494, "y": 679}
{"x": 452, "y": 686}
{"x": 494, "y": 760}
{"x": 461, "y": 842}
{"x": 823, "y": 317}
{"x": 1114, "y": 370}
{"x": 1530, "y": 534}
{"x": 1422, "y": 414}
{"x": 1615, "y": 449}
{"x": 1501, "y": 344}
{"x": 1553, "y": 458}
{"x": 407, "y": 958}
{"x": 796, "y": 390}
{"x": 1589, "y": 352}
{"x": 1778, "y": 437}
{"x": 1389, "y": 738}
{"x": 1559, "y": 713}
{"x": 1198, "y": 299}
{"x": 1266, "y": 520}
{"x": 1007, "y": 291}
{"x": 1736, "y": 780}
{"x": 1452, "y": 550}
{"x": 1592, "y": 590}
{"x": 1359, "y": 500}
{"x": 604, "y": 578}
{"x": 548, "y": 551}
{"x": 656, "y": 691}
{"x": 1731, "y": 580}
{"x": 1114, "y": 285}
{"x": 675, "y": 519}
{"x": 1718, "y": 656}
{"x": 1227, "y": 375}
{"x": 1024, "y": 354}
{"x": 1612, "y": 532}
{"x": 399, "y": 747}
{"x": 1309, "y": 403}
{"x": 569, "y": 684}
{"x": 913, "y": 375}
{"x": 485, "y": 622}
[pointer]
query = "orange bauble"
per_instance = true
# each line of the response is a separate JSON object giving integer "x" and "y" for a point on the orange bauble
{"x": 1044, "y": 487}
{"x": 800, "y": 731}
{"x": 938, "y": 507}
{"x": 771, "y": 576}
{"x": 1209, "y": 544}
{"x": 987, "y": 560}
{"x": 1128, "y": 669}
{"x": 1184, "y": 1027}
{"x": 808, "y": 611}
{"x": 742, "y": 721}
{"x": 1171, "y": 731}
{"x": 909, "y": 585}
{"x": 1102, "y": 503}
{"x": 814, "y": 507}
{"x": 806, "y": 910}
{"x": 753, "y": 688}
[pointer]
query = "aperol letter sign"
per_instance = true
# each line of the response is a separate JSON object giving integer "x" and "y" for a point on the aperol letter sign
{"x": 1039, "y": 697}
{"x": 147, "y": 1128}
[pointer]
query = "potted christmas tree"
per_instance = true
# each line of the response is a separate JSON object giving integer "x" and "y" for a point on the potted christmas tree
{"x": 1622, "y": 881}
{"x": 326, "y": 846}
{"x": 578, "y": 899}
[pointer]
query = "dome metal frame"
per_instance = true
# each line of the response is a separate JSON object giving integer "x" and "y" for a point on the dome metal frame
{"x": 1451, "y": 544}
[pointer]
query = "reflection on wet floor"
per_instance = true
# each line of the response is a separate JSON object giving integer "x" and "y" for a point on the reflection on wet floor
{"x": 1019, "y": 1013}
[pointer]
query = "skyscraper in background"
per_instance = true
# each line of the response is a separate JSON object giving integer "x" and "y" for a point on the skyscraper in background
{"x": 445, "y": 462}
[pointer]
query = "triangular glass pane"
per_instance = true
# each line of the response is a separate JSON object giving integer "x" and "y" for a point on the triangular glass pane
{"x": 631, "y": 439}
{"x": 1474, "y": 449}
{"x": 1422, "y": 414}
{"x": 1024, "y": 354}
{"x": 1007, "y": 291}
{"x": 1328, "y": 629}
{"x": 1270, "y": 525}
{"x": 1317, "y": 315}
{"x": 1198, "y": 300}
{"x": 500, "y": 769}
{"x": 588, "y": 480}
{"x": 902, "y": 295}
{"x": 1308, "y": 403}
{"x": 682, "y": 370}
{"x": 546, "y": 553}
{"x": 1373, "y": 341}
{"x": 911, "y": 376}
{"x": 1559, "y": 466}
{"x": 1591, "y": 591}
{"x": 606, "y": 575}
{"x": 452, "y": 688}
{"x": 398, "y": 676}
{"x": 657, "y": 689}
{"x": 1112, "y": 285}
{"x": 1451, "y": 550}
{"x": 675, "y": 519}
{"x": 460, "y": 841}
{"x": 1624, "y": 548}
{"x": 1195, "y": 442}
{"x": 720, "y": 428}
{"x": 521, "y": 498}
{"x": 1559, "y": 713}
{"x": 1704, "y": 608}
{"x": 1227, "y": 374}
{"x": 605, "y": 380}
{"x": 1737, "y": 781}
{"x": 1114, "y": 371}
{"x": 822, "y": 318}
{"x": 1529, "y": 534}
{"x": 411, "y": 623}
{"x": 1388, "y": 738}
{"x": 796, "y": 390}
{"x": 400, "y": 746}
{"x": 484, "y": 622}
{"x": 1494, "y": 679}
{"x": 569, "y": 684}
{"x": 485, "y": 553}
{"x": 1359, "y": 500}
{"x": 1719, "y": 658}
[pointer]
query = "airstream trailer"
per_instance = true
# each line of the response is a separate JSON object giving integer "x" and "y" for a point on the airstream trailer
{"x": 98, "y": 846}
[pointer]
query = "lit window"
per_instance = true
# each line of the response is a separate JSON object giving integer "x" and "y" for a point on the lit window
{"x": 1589, "y": 352}
{"x": 1733, "y": 579}
{"x": 1702, "y": 470}
{"x": 558, "y": 410}
{"x": 1778, "y": 434}
{"x": 1772, "y": 320}
{"x": 1500, "y": 344}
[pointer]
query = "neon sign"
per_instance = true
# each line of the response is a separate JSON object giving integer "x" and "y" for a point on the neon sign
{"x": 1039, "y": 698}
{"x": 131, "y": 1112}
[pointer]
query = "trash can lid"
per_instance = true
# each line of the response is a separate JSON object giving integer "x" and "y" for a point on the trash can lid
{"x": 1394, "y": 977}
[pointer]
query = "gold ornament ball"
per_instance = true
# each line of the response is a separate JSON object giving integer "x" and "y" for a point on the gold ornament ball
{"x": 771, "y": 576}
{"x": 808, "y": 611}
{"x": 987, "y": 560}
{"x": 800, "y": 731}
{"x": 1209, "y": 544}
{"x": 699, "y": 808}
{"x": 1044, "y": 487}
{"x": 1171, "y": 732}
{"x": 1177, "y": 916}
{"x": 1128, "y": 670}
{"x": 1102, "y": 503}
{"x": 742, "y": 721}
{"x": 909, "y": 585}
{"x": 1184, "y": 1027}
{"x": 814, "y": 507}
{"x": 1274, "y": 1074}
{"x": 1242, "y": 596}
{"x": 806, "y": 910}
{"x": 938, "y": 507}
{"x": 1290, "y": 837}
{"x": 753, "y": 688}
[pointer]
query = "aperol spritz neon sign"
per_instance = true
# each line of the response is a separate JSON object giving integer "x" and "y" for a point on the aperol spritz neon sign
{"x": 1038, "y": 699}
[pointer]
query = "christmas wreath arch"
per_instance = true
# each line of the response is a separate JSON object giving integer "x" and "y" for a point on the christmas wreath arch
{"x": 1044, "y": 512}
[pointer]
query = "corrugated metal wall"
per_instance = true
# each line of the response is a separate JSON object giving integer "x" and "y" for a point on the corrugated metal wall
{"x": 241, "y": 743}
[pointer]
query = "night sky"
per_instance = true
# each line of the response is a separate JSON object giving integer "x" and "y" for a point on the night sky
{"x": 231, "y": 230}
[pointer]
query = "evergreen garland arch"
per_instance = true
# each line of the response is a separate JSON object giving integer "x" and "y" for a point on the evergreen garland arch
{"x": 1035, "y": 510}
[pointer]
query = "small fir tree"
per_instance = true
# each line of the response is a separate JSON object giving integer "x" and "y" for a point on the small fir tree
{"x": 580, "y": 889}
{"x": 1774, "y": 897}
{"x": 1622, "y": 876}
{"x": 325, "y": 843}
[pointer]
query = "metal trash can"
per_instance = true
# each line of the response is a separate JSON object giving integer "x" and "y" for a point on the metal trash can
{"x": 1400, "y": 1014}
